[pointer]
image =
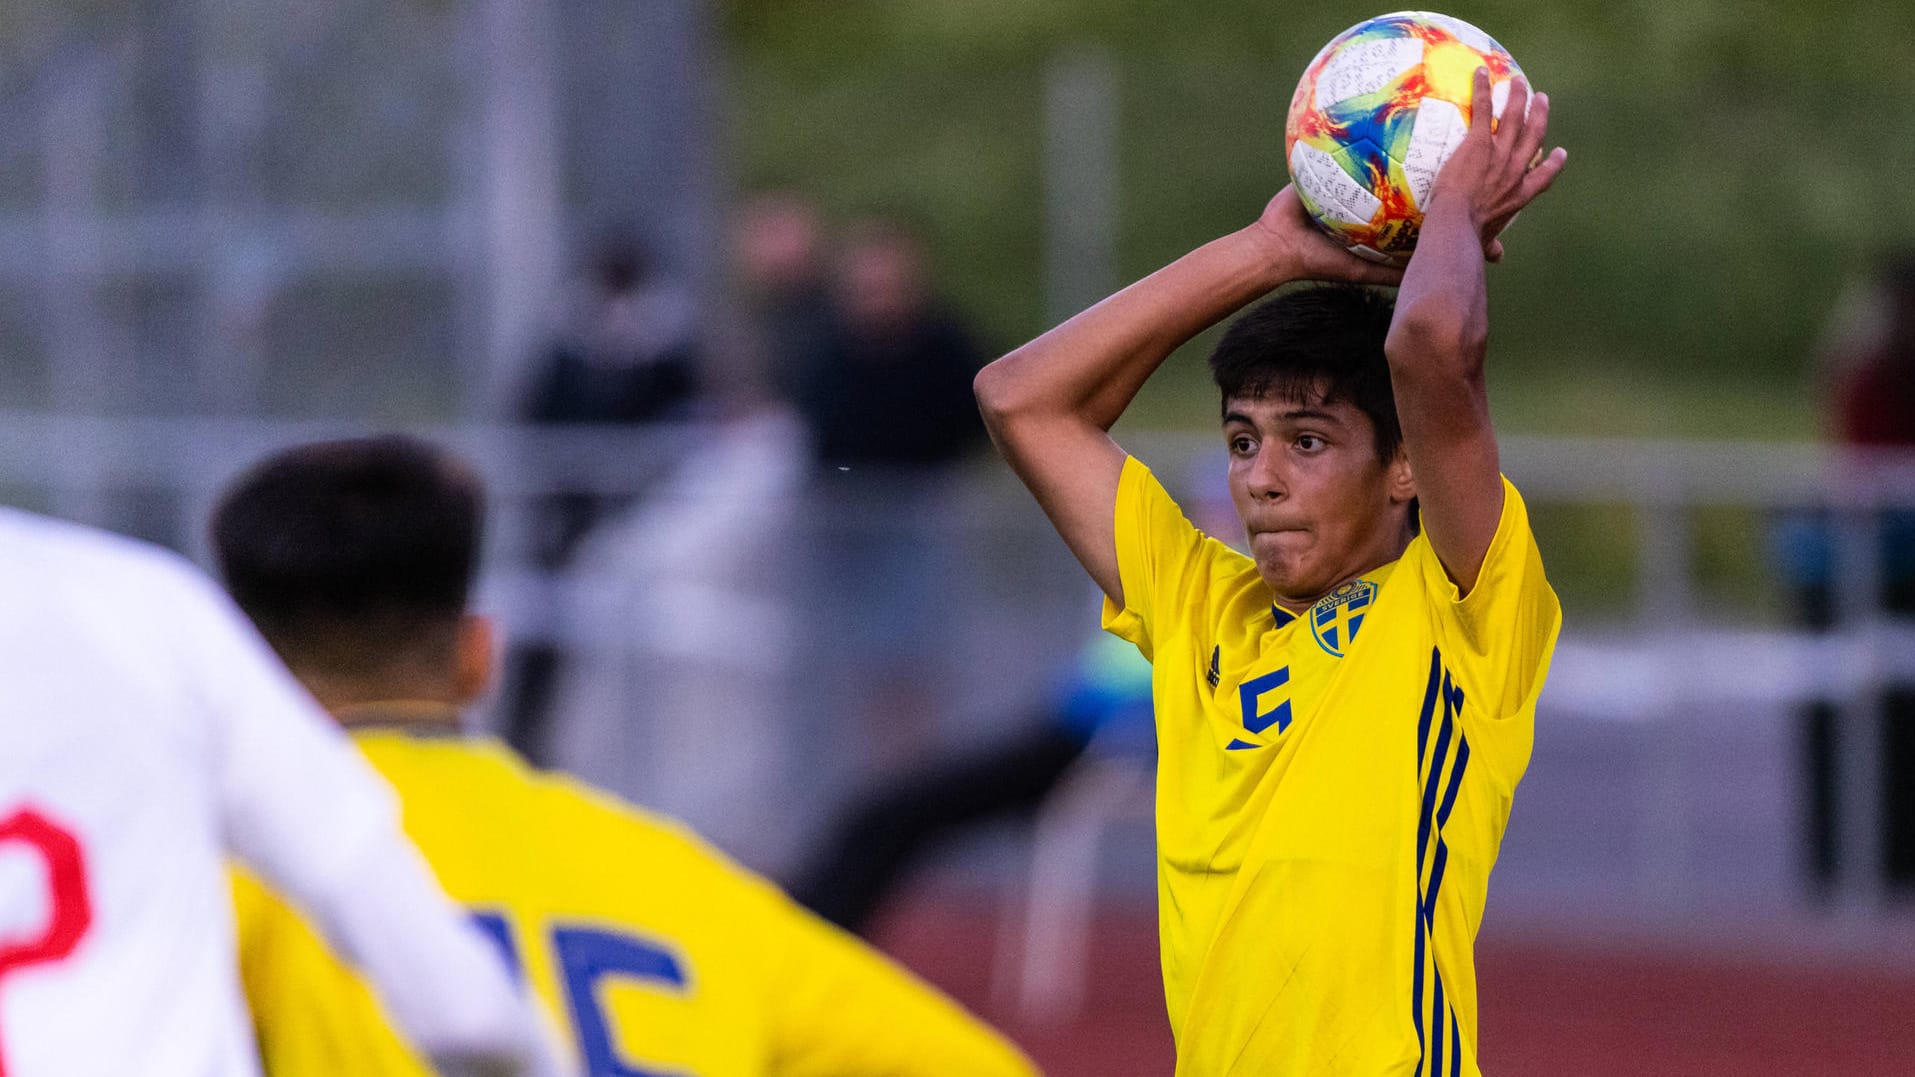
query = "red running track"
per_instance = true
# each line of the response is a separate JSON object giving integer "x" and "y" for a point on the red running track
{"x": 1549, "y": 1009}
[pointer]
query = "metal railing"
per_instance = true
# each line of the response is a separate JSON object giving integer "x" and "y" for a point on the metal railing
{"x": 696, "y": 632}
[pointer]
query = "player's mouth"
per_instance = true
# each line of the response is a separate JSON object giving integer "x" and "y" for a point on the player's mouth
{"x": 1278, "y": 537}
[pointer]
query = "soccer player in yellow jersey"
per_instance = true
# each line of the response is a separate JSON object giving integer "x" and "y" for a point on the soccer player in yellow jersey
{"x": 653, "y": 952}
{"x": 1342, "y": 715}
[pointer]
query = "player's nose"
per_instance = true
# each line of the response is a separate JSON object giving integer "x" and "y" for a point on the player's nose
{"x": 1267, "y": 480}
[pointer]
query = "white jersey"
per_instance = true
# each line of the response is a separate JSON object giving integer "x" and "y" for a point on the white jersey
{"x": 146, "y": 733}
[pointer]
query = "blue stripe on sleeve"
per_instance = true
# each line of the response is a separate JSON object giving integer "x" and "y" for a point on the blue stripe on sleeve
{"x": 1429, "y": 705}
{"x": 1456, "y": 781}
{"x": 1456, "y": 1047}
{"x": 1432, "y": 817}
{"x": 1416, "y": 990}
{"x": 1425, "y": 816}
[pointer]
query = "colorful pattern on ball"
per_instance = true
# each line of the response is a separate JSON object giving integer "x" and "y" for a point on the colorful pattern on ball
{"x": 1377, "y": 113}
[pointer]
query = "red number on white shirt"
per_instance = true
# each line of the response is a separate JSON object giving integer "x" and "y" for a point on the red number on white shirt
{"x": 71, "y": 910}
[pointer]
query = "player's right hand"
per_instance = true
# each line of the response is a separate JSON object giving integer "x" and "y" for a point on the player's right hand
{"x": 1305, "y": 253}
{"x": 1500, "y": 167}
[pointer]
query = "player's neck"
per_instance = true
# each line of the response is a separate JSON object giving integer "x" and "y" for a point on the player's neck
{"x": 1298, "y": 604}
{"x": 436, "y": 715}
{"x": 411, "y": 693}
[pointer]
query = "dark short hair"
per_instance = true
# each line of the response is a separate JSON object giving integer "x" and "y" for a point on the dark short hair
{"x": 1317, "y": 344}
{"x": 350, "y": 554}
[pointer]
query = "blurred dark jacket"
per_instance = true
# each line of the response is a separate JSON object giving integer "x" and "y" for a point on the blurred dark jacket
{"x": 899, "y": 397}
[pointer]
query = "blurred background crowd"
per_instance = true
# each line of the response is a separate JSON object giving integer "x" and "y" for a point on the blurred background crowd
{"x": 701, "y": 285}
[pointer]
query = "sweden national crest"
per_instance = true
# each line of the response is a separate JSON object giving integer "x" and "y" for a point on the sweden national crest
{"x": 1337, "y": 616}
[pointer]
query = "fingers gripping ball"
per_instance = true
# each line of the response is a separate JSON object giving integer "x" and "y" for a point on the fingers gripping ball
{"x": 1377, "y": 113}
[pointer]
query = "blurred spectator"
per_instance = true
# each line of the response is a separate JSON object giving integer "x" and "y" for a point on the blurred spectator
{"x": 1868, "y": 370}
{"x": 1104, "y": 699}
{"x": 778, "y": 249}
{"x": 1875, "y": 372}
{"x": 892, "y": 386}
{"x": 627, "y": 355}
{"x": 888, "y": 406}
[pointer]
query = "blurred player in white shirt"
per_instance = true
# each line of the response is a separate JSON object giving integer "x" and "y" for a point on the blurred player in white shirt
{"x": 146, "y": 734}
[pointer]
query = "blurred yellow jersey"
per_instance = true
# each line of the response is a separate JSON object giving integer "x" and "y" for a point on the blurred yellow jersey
{"x": 650, "y": 950}
{"x": 1332, "y": 788}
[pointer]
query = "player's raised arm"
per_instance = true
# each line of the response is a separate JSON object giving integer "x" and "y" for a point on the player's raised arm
{"x": 1440, "y": 334}
{"x": 1050, "y": 404}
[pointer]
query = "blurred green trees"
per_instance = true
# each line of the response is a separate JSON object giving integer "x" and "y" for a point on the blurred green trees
{"x": 1730, "y": 167}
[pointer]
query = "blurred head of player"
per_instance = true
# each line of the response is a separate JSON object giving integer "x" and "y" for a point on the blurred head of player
{"x": 1318, "y": 474}
{"x": 356, "y": 559}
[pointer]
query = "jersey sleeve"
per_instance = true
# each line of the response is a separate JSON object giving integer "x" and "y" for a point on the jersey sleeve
{"x": 1162, "y": 559}
{"x": 312, "y": 1015}
{"x": 839, "y": 1008}
{"x": 1498, "y": 638}
{"x": 298, "y": 804}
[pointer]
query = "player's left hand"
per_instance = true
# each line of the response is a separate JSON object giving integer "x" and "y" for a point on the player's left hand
{"x": 1306, "y": 253}
{"x": 1494, "y": 174}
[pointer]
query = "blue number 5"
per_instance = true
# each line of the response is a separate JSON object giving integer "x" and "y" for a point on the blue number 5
{"x": 1250, "y": 692}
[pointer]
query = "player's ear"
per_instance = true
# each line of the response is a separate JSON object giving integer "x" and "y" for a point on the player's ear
{"x": 477, "y": 657}
{"x": 1399, "y": 477}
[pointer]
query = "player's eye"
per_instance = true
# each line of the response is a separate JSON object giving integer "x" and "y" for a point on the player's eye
{"x": 1242, "y": 446}
{"x": 1309, "y": 442}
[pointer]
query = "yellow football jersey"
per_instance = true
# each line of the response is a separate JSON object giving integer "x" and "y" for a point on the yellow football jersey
{"x": 1331, "y": 791}
{"x": 650, "y": 950}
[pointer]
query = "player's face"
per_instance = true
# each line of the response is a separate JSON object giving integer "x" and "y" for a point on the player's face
{"x": 1317, "y": 505}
